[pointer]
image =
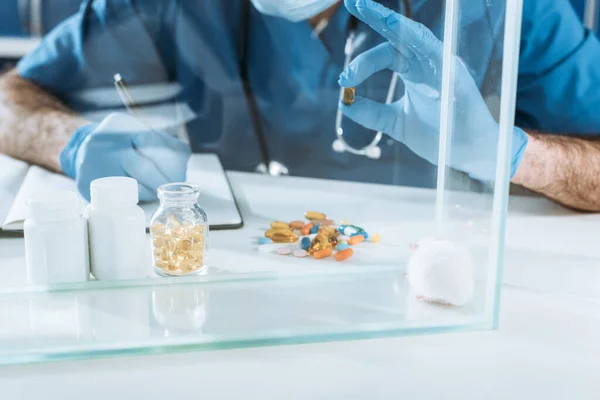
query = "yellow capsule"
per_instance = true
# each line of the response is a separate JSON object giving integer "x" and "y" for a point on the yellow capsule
{"x": 312, "y": 215}
{"x": 198, "y": 237}
{"x": 345, "y": 222}
{"x": 279, "y": 225}
{"x": 170, "y": 242}
{"x": 172, "y": 266}
{"x": 349, "y": 94}
{"x": 196, "y": 230}
{"x": 198, "y": 246}
{"x": 161, "y": 254}
{"x": 271, "y": 232}
{"x": 158, "y": 229}
{"x": 161, "y": 264}
{"x": 194, "y": 254}
{"x": 184, "y": 245}
{"x": 328, "y": 231}
{"x": 284, "y": 237}
{"x": 158, "y": 242}
{"x": 189, "y": 265}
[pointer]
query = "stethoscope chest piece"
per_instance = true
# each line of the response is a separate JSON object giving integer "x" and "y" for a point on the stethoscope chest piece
{"x": 275, "y": 169}
{"x": 373, "y": 152}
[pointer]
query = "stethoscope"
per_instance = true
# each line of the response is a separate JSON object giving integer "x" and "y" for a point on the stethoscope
{"x": 275, "y": 168}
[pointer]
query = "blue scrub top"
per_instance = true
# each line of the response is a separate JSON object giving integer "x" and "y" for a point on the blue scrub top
{"x": 294, "y": 75}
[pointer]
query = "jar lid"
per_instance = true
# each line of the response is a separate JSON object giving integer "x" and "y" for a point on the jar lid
{"x": 114, "y": 192}
{"x": 54, "y": 206}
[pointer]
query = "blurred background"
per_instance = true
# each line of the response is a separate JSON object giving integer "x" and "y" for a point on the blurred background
{"x": 23, "y": 22}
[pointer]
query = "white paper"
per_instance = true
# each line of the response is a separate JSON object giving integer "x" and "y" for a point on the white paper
{"x": 216, "y": 198}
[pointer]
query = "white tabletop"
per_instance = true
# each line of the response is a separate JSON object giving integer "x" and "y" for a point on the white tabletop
{"x": 546, "y": 346}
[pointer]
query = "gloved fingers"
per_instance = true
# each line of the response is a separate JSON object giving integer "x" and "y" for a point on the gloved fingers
{"x": 387, "y": 118}
{"x": 168, "y": 154}
{"x": 145, "y": 171}
{"x": 381, "y": 57}
{"x": 400, "y": 31}
{"x": 145, "y": 194}
{"x": 155, "y": 139}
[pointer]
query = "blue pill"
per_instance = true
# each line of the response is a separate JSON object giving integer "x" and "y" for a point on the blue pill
{"x": 342, "y": 246}
{"x": 264, "y": 240}
{"x": 342, "y": 228}
{"x": 305, "y": 243}
{"x": 315, "y": 229}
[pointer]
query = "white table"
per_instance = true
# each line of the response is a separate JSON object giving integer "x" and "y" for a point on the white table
{"x": 547, "y": 346}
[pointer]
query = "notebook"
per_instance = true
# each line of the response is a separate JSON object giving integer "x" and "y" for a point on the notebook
{"x": 216, "y": 196}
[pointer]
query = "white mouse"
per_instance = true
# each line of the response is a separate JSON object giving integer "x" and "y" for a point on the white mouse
{"x": 441, "y": 271}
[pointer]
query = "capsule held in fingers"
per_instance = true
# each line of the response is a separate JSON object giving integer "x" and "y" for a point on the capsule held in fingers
{"x": 349, "y": 94}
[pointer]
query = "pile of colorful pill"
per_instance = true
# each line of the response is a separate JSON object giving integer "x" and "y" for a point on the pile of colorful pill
{"x": 319, "y": 237}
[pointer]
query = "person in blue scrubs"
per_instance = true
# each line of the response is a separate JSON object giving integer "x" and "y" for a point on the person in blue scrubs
{"x": 293, "y": 68}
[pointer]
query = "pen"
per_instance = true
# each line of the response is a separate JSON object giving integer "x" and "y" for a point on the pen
{"x": 125, "y": 95}
{"x": 132, "y": 106}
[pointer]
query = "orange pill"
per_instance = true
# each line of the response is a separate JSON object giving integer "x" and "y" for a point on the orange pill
{"x": 322, "y": 253}
{"x": 356, "y": 240}
{"x": 306, "y": 229}
{"x": 344, "y": 255}
{"x": 297, "y": 225}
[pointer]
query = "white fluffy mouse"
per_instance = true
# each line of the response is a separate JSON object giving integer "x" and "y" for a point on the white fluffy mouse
{"x": 441, "y": 271}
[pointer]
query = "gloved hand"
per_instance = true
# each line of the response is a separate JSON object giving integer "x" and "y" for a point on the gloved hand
{"x": 415, "y": 54}
{"x": 121, "y": 145}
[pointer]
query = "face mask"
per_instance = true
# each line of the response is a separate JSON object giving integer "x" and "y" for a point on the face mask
{"x": 293, "y": 10}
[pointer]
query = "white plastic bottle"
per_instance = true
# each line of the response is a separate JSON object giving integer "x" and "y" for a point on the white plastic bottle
{"x": 56, "y": 242}
{"x": 117, "y": 228}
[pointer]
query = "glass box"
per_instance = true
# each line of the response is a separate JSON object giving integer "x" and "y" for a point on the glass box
{"x": 262, "y": 93}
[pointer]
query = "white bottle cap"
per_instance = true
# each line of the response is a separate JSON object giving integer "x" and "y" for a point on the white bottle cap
{"x": 55, "y": 206}
{"x": 114, "y": 192}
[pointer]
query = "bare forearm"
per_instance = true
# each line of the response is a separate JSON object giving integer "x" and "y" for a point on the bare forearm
{"x": 565, "y": 169}
{"x": 34, "y": 125}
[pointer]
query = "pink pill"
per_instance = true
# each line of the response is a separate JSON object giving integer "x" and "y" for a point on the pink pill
{"x": 300, "y": 253}
{"x": 284, "y": 251}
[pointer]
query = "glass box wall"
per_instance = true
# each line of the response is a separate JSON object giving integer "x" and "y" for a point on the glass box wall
{"x": 369, "y": 157}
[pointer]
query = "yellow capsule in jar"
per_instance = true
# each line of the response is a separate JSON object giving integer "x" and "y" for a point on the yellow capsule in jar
{"x": 158, "y": 229}
{"x": 194, "y": 254}
{"x": 280, "y": 225}
{"x": 198, "y": 237}
{"x": 284, "y": 237}
{"x": 161, "y": 264}
{"x": 172, "y": 266}
{"x": 312, "y": 215}
{"x": 189, "y": 265}
{"x": 158, "y": 242}
{"x": 184, "y": 245}
{"x": 161, "y": 254}
{"x": 198, "y": 246}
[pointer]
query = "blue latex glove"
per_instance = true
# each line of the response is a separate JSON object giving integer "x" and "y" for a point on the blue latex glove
{"x": 416, "y": 55}
{"x": 123, "y": 146}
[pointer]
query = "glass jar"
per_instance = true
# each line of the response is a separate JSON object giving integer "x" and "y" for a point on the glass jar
{"x": 179, "y": 230}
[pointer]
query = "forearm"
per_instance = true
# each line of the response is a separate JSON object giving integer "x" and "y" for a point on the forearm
{"x": 565, "y": 169}
{"x": 34, "y": 125}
